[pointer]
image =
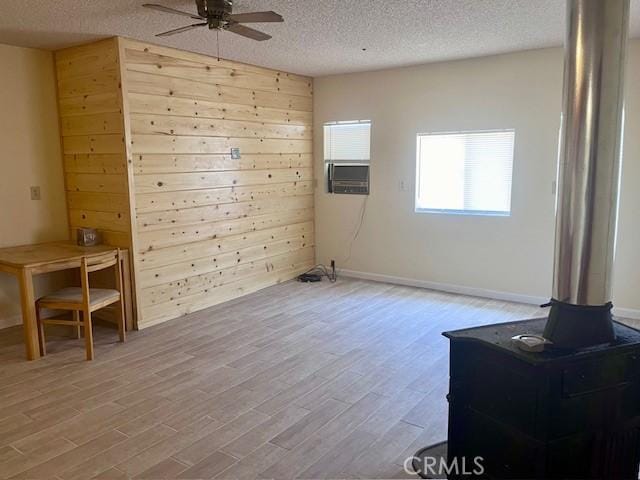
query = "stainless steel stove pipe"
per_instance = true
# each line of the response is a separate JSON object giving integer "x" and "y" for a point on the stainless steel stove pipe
{"x": 590, "y": 150}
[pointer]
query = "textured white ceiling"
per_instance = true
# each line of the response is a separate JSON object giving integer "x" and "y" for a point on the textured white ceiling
{"x": 319, "y": 37}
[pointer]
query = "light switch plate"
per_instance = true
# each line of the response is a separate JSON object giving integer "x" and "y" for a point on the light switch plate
{"x": 35, "y": 193}
{"x": 235, "y": 153}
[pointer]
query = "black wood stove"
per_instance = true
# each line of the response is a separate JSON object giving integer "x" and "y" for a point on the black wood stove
{"x": 556, "y": 414}
{"x": 571, "y": 410}
{"x": 552, "y": 415}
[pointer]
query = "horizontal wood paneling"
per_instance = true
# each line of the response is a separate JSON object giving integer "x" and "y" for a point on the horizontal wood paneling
{"x": 206, "y": 282}
{"x": 210, "y": 247}
{"x": 169, "y": 144}
{"x": 91, "y": 59}
{"x": 134, "y": 45}
{"x": 95, "y": 182}
{"x": 89, "y": 84}
{"x": 108, "y": 102}
{"x": 92, "y": 126}
{"x": 263, "y": 251}
{"x": 158, "y": 239}
{"x": 140, "y": 82}
{"x": 175, "y": 125}
{"x": 94, "y": 123}
{"x": 153, "y": 202}
{"x": 242, "y": 286}
{"x": 98, "y": 201}
{"x": 160, "y": 182}
{"x": 209, "y": 213}
{"x": 95, "y": 163}
{"x": 199, "y": 108}
{"x": 101, "y": 220}
{"x": 213, "y": 74}
{"x": 111, "y": 143}
{"x": 209, "y": 227}
{"x": 218, "y": 163}
{"x": 109, "y": 237}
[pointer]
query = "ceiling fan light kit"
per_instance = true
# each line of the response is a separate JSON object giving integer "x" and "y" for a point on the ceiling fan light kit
{"x": 218, "y": 15}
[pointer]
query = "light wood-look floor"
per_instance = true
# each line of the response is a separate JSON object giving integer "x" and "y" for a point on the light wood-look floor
{"x": 296, "y": 381}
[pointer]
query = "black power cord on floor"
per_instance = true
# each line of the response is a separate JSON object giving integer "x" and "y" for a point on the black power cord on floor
{"x": 319, "y": 271}
{"x": 316, "y": 273}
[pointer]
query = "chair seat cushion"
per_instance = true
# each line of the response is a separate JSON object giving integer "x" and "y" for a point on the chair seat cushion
{"x": 74, "y": 295}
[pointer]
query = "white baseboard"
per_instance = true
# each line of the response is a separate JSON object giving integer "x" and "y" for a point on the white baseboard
{"x": 471, "y": 291}
{"x": 631, "y": 313}
{"x": 446, "y": 287}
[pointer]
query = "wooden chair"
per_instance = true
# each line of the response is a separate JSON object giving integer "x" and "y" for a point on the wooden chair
{"x": 86, "y": 300}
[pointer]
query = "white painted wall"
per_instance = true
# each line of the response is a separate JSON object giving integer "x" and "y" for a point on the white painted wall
{"x": 29, "y": 156}
{"x": 508, "y": 257}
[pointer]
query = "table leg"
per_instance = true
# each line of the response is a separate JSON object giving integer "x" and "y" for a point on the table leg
{"x": 29, "y": 315}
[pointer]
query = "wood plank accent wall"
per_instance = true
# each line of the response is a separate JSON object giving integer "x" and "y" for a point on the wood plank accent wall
{"x": 93, "y": 139}
{"x": 209, "y": 228}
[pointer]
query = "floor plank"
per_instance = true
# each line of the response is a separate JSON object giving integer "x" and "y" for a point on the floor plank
{"x": 297, "y": 380}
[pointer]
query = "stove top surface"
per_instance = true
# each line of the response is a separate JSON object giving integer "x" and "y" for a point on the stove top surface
{"x": 499, "y": 336}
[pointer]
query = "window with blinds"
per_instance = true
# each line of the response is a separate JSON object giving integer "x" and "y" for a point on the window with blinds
{"x": 347, "y": 142}
{"x": 465, "y": 172}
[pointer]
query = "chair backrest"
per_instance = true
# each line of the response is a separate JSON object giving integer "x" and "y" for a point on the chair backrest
{"x": 100, "y": 262}
{"x": 93, "y": 263}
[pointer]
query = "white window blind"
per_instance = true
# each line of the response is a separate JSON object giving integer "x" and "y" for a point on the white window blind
{"x": 347, "y": 142}
{"x": 465, "y": 172}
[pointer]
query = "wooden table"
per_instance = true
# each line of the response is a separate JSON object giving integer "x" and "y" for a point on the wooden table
{"x": 28, "y": 260}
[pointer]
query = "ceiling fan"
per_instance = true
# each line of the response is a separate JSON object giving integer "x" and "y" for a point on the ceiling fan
{"x": 217, "y": 15}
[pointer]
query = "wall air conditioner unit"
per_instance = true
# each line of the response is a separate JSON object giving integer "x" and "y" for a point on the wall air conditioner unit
{"x": 348, "y": 179}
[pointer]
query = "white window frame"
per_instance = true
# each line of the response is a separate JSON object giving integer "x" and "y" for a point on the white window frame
{"x": 446, "y": 211}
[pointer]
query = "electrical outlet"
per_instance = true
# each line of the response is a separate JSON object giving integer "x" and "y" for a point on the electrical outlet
{"x": 402, "y": 186}
{"x": 235, "y": 154}
{"x": 35, "y": 193}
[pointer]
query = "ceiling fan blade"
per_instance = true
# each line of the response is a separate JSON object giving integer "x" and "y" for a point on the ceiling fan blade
{"x": 162, "y": 8}
{"x": 256, "y": 17}
{"x": 248, "y": 32}
{"x": 181, "y": 29}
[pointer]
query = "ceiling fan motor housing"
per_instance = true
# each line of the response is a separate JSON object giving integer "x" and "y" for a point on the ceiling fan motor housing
{"x": 219, "y": 16}
{"x": 215, "y": 11}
